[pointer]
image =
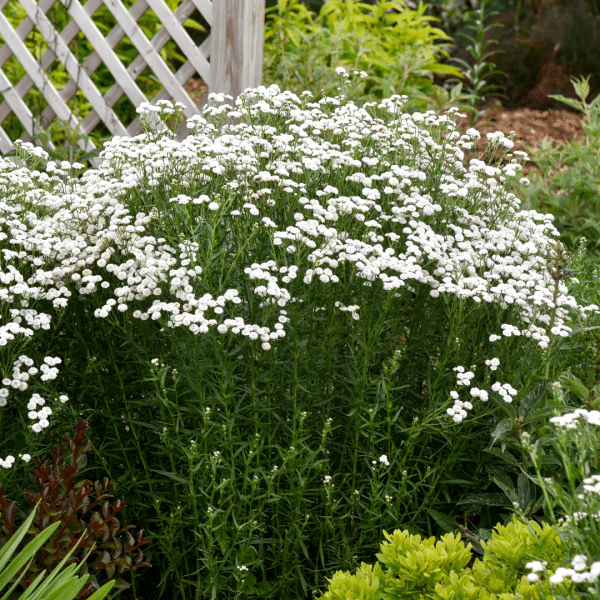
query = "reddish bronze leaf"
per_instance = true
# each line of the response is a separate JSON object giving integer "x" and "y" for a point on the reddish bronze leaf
{"x": 66, "y": 501}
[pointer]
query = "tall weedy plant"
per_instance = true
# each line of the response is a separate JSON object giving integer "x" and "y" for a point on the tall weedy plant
{"x": 296, "y": 328}
{"x": 478, "y": 74}
{"x": 572, "y": 194}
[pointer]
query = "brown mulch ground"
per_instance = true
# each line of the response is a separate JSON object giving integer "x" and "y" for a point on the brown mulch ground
{"x": 196, "y": 88}
{"x": 531, "y": 127}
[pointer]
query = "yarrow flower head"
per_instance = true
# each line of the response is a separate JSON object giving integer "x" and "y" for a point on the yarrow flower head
{"x": 493, "y": 364}
{"x": 571, "y": 420}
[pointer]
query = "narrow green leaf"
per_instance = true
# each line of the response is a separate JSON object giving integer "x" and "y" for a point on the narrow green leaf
{"x": 171, "y": 476}
{"x": 486, "y": 500}
{"x": 541, "y": 414}
{"x": 568, "y": 101}
{"x": 510, "y": 494}
{"x": 574, "y": 384}
{"x": 524, "y": 491}
{"x": 505, "y": 456}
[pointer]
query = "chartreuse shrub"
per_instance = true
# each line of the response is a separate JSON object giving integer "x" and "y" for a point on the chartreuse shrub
{"x": 305, "y": 324}
{"x": 411, "y": 567}
{"x": 394, "y": 47}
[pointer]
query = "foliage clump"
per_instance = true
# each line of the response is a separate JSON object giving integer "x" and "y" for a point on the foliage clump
{"x": 62, "y": 501}
{"x": 394, "y": 45}
{"x": 267, "y": 319}
{"x": 409, "y": 566}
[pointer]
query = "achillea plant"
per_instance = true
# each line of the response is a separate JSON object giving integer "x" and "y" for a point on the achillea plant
{"x": 300, "y": 326}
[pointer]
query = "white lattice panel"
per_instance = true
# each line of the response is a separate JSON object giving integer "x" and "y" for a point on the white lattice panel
{"x": 81, "y": 74}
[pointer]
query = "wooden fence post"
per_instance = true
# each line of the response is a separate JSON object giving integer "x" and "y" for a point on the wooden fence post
{"x": 237, "y": 36}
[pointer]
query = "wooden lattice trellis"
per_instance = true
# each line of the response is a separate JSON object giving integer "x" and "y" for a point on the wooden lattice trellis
{"x": 234, "y": 46}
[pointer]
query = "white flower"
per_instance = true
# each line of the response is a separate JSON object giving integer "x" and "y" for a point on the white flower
{"x": 536, "y": 566}
{"x": 384, "y": 459}
{"x": 594, "y": 572}
{"x": 560, "y": 574}
{"x": 494, "y": 363}
{"x": 578, "y": 562}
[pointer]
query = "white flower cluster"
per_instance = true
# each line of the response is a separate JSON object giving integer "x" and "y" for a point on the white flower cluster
{"x": 535, "y": 566}
{"x": 493, "y": 364}
{"x": 571, "y": 420}
{"x": 506, "y": 391}
{"x": 352, "y": 309}
{"x": 8, "y": 462}
{"x": 390, "y": 222}
{"x": 20, "y": 382}
{"x": 579, "y": 516}
{"x": 463, "y": 378}
{"x": 31, "y": 149}
{"x": 592, "y": 484}
{"x": 41, "y": 415}
{"x": 577, "y": 574}
{"x": 458, "y": 412}
{"x": 481, "y": 394}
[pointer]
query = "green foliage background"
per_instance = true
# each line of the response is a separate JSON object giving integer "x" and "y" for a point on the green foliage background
{"x": 396, "y": 48}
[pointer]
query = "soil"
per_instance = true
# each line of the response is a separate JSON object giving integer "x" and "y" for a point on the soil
{"x": 196, "y": 88}
{"x": 531, "y": 126}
